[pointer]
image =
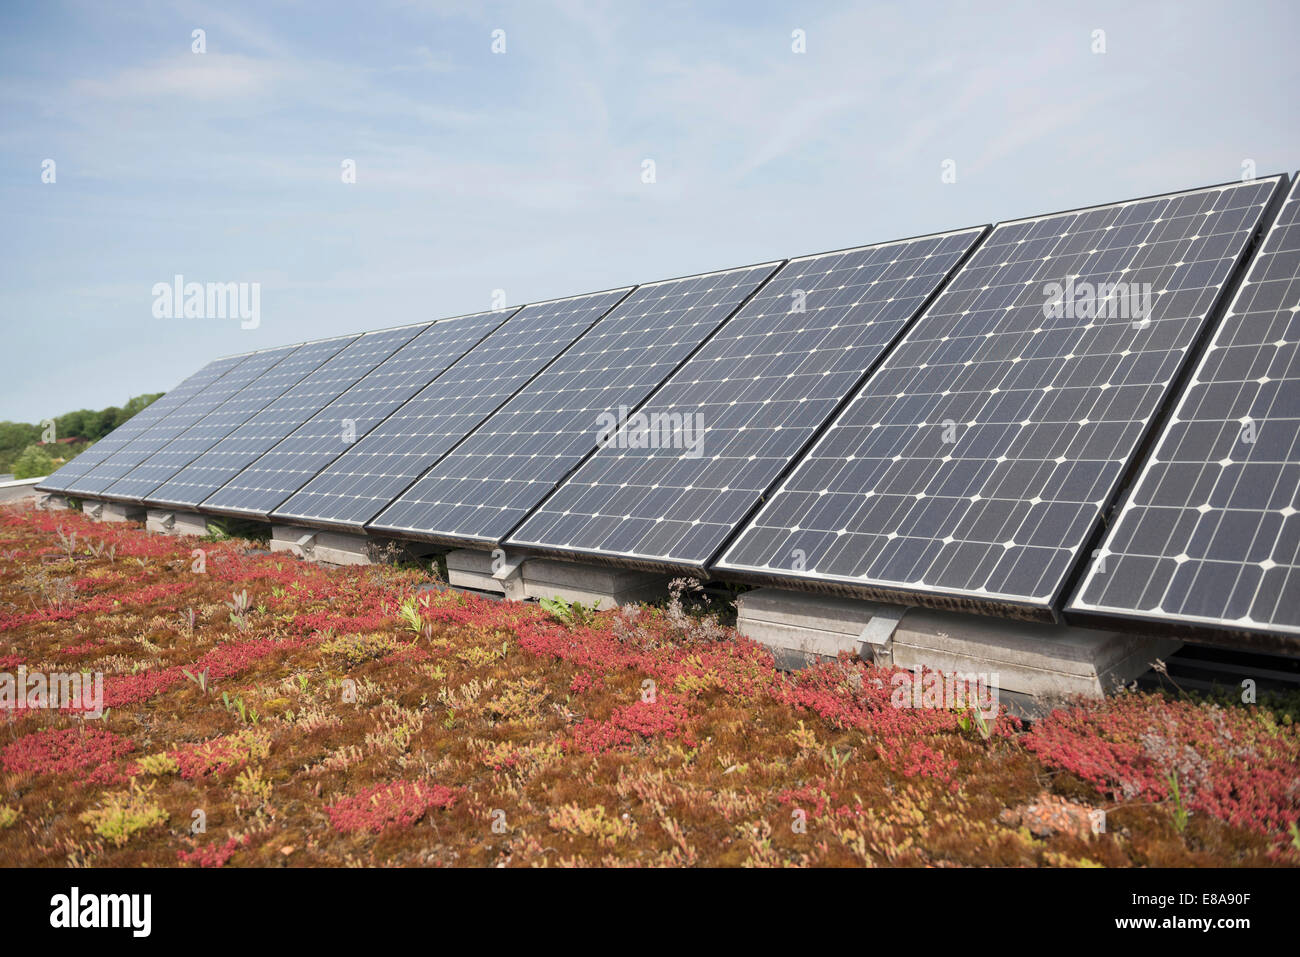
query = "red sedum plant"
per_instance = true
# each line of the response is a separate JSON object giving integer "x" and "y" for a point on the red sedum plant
{"x": 1236, "y": 764}
{"x": 398, "y": 804}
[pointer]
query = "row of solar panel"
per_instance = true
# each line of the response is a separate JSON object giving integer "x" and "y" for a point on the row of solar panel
{"x": 944, "y": 419}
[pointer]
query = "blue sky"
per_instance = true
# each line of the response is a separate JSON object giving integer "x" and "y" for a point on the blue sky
{"x": 522, "y": 171}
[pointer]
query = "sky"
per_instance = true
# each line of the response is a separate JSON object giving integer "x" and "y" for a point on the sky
{"x": 521, "y": 172}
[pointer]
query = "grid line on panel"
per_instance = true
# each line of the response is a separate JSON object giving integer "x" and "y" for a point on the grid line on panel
{"x": 139, "y": 424}
{"x": 1208, "y": 534}
{"x": 977, "y": 459}
{"x": 224, "y": 460}
{"x": 295, "y": 460}
{"x": 498, "y": 474}
{"x": 672, "y": 485}
{"x": 355, "y": 487}
{"x": 280, "y": 369}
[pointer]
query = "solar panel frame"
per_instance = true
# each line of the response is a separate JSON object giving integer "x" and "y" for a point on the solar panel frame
{"x": 562, "y": 378}
{"x": 735, "y": 565}
{"x": 438, "y": 417}
{"x": 1244, "y": 335}
{"x": 292, "y": 363}
{"x": 664, "y": 475}
{"x": 319, "y": 441}
{"x": 140, "y": 424}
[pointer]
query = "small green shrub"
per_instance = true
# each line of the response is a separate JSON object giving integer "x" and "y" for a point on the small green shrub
{"x": 122, "y": 814}
{"x": 34, "y": 462}
{"x": 573, "y": 614}
{"x": 353, "y": 650}
{"x": 158, "y": 764}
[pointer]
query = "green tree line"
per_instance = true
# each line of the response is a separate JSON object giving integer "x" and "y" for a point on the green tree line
{"x": 23, "y": 452}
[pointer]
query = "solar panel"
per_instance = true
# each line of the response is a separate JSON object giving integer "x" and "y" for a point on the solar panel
{"x": 973, "y": 465}
{"x": 229, "y": 456}
{"x": 176, "y": 424}
{"x": 673, "y": 484}
{"x": 277, "y": 370}
{"x": 356, "y": 486}
{"x": 1210, "y": 533}
{"x": 488, "y": 483}
{"x": 329, "y": 433}
{"x": 139, "y": 424}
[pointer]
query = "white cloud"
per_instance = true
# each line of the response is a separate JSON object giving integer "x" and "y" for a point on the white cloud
{"x": 193, "y": 76}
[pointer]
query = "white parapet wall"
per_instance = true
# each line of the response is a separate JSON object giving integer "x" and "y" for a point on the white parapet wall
{"x": 169, "y": 522}
{"x": 1038, "y": 660}
{"x": 19, "y": 490}
{"x": 598, "y": 585}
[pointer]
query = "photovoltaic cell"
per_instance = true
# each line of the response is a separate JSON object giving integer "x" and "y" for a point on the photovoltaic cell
{"x": 975, "y": 462}
{"x": 356, "y": 486}
{"x": 139, "y": 424}
{"x": 228, "y": 457}
{"x": 179, "y": 422}
{"x": 280, "y": 369}
{"x": 502, "y": 470}
{"x": 329, "y": 433}
{"x": 674, "y": 483}
{"x": 1210, "y": 533}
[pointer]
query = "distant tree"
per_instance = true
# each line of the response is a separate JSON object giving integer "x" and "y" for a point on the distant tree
{"x": 68, "y": 424}
{"x": 33, "y": 463}
{"x": 107, "y": 421}
{"x": 92, "y": 425}
{"x": 16, "y": 436}
{"x": 138, "y": 403}
{"x": 17, "y": 439}
{"x": 85, "y": 423}
{"x": 134, "y": 406}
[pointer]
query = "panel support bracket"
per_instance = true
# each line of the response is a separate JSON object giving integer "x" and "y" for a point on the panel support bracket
{"x": 511, "y": 577}
{"x": 307, "y": 544}
{"x": 876, "y": 642}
